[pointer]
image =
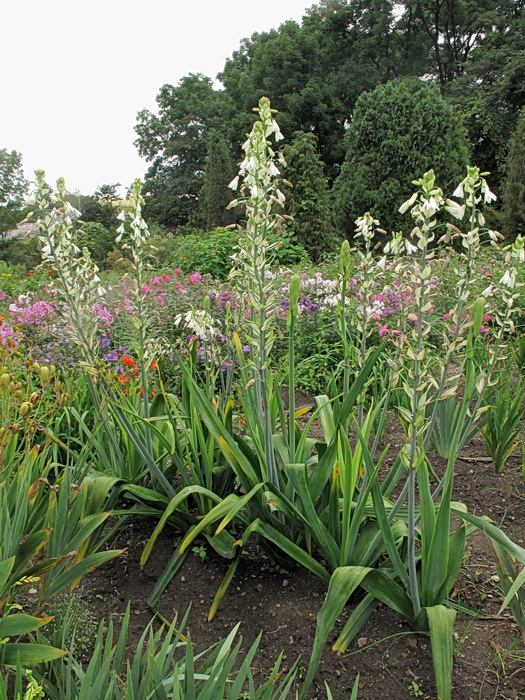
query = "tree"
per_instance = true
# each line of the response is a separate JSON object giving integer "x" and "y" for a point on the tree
{"x": 174, "y": 142}
{"x": 491, "y": 92}
{"x": 454, "y": 28}
{"x": 398, "y": 131}
{"x": 107, "y": 193}
{"x": 215, "y": 195}
{"x": 307, "y": 201}
{"x": 13, "y": 185}
{"x": 514, "y": 186}
{"x": 98, "y": 239}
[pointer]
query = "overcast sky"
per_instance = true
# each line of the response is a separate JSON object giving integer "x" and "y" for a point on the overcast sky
{"x": 74, "y": 74}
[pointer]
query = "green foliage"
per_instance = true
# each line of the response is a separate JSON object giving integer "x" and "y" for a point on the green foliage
{"x": 490, "y": 91}
{"x": 307, "y": 201}
{"x": 215, "y": 194}
{"x": 501, "y": 429}
{"x": 288, "y": 250}
{"x": 21, "y": 253}
{"x": 206, "y": 253}
{"x": 98, "y": 239}
{"x": 13, "y": 185}
{"x": 94, "y": 209}
{"x": 514, "y": 186}
{"x": 157, "y": 670}
{"x": 174, "y": 142}
{"x": 397, "y": 131}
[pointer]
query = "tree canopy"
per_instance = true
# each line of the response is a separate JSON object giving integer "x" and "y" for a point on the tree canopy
{"x": 13, "y": 185}
{"x": 316, "y": 71}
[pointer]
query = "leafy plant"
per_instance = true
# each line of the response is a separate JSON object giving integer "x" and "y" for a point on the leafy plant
{"x": 158, "y": 670}
{"x": 501, "y": 430}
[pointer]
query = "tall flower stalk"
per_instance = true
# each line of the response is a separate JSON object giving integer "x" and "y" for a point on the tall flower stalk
{"x": 133, "y": 230}
{"x": 77, "y": 282}
{"x": 260, "y": 196}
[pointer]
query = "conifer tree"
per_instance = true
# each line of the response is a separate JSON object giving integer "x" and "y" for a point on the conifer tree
{"x": 398, "y": 132}
{"x": 215, "y": 195}
{"x": 307, "y": 201}
{"x": 514, "y": 188}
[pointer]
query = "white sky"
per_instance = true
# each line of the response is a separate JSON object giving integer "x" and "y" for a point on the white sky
{"x": 74, "y": 74}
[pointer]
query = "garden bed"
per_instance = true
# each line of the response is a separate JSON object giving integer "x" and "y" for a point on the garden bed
{"x": 393, "y": 662}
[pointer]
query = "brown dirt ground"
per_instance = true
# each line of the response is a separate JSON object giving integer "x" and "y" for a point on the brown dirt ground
{"x": 489, "y": 653}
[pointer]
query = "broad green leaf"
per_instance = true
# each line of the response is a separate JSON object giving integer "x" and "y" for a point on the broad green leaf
{"x": 441, "y": 624}
{"x": 28, "y": 654}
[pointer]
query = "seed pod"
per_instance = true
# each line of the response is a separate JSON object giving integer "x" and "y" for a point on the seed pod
{"x": 5, "y": 380}
{"x": 36, "y": 366}
{"x": 25, "y": 409}
{"x": 18, "y": 395}
{"x": 33, "y": 399}
{"x": 15, "y": 428}
{"x": 3, "y": 433}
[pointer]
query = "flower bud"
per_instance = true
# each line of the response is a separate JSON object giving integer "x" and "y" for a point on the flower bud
{"x": 15, "y": 428}
{"x": 36, "y": 366}
{"x": 44, "y": 375}
{"x": 476, "y": 316}
{"x": 62, "y": 400}
{"x": 33, "y": 399}
{"x": 5, "y": 380}
{"x": 18, "y": 395}
{"x": 344, "y": 258}
{"x": 25, "y": 409}
{"x": 3, "y": 433}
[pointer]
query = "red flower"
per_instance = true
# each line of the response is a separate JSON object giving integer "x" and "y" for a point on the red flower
{"x": 128, "y": 361}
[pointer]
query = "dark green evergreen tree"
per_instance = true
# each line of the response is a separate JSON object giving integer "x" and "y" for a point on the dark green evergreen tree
{"x": 398, "y": 131}
{"x": 514, "y": 185}
{"x": 307, "y": 201}
{"x": 215, "y": 194}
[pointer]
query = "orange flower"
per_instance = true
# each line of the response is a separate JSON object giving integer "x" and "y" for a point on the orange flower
{"x": 122, "y": 380}
{"x": 154, "y": 365}
{"x": 128, "y": 361}
{"x": 136, "y": 372}
{"x": 214, "y": 253}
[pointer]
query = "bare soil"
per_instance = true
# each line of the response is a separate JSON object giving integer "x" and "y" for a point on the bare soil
{"x": 392, "y": 660}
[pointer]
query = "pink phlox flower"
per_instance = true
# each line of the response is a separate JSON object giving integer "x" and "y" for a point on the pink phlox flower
{"x": 105, "y": 318}
{"x": 194, "y": 278}
{"x": 39, "y": 314}
{"x": 8, "y": 337}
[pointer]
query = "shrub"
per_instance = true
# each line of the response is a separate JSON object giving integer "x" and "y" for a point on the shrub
{"x": 207, "y": 253}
